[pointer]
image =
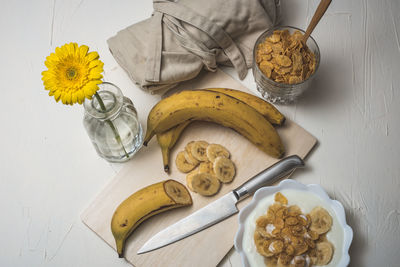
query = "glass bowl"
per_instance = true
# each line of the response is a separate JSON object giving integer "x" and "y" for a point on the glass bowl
{"x": 341, "y": 235}
{"x": 276, "y": 92}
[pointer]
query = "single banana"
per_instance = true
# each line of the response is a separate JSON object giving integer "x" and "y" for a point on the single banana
{"x": 270, "y": 112}
{"x": 215, "y": 107}
{"x": 321, "y": 221}
{"x": 167, "y": 140}
{"x": 214, "y": 151}
{"x": 224, "y": 169}
{"x": 143, "y": 204}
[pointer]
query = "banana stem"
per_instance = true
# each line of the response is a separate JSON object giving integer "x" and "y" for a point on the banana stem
{"x": 109, "y": 122}
{"x": 165, "y": 156}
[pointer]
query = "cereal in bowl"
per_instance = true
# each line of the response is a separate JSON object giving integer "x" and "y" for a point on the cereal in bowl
{"x": 285, "y": 58}
{"x": 285, "y": 236}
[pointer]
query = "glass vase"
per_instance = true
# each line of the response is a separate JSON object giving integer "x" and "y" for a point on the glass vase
{"x": 112, "y": 124}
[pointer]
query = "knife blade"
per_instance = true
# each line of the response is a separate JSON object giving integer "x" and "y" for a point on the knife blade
{"x": 222, "y": 208}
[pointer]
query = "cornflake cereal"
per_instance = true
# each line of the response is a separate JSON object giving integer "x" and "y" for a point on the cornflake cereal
{"x": 284, "y": 58}
{"x": 287, "y": 237}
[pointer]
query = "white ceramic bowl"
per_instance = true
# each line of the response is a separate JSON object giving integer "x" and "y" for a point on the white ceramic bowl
{"x": 315, "y": 189}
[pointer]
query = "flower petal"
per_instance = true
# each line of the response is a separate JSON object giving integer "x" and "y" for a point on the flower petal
{"x": 74, "y": 98}
{"x": 87, "y": 90}
{"x": 92, "y": 56}
{"x": 81, "y": 96}
{"x": 83, "y": 49}
{"x": 71, "y": 48}
{"x": 74, "y": 48}
{"x": 95, "y": 76}
{"x": 64, "y": 99}
{"x": 57, "y": 95}
{"x": 59, "y": 51}
{"x": 95, "y": 63}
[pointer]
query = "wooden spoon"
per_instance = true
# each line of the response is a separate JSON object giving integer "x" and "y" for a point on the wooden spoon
{"x": 322, "y": 7}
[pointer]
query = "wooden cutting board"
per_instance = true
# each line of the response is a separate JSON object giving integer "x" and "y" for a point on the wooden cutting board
{"x": 209, "y": 246}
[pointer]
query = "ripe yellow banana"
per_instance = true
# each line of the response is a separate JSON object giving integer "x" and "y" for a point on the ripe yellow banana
{"x": 266, "y": 109}
{"x": 143, "y": 204}
{"x": 215, "y": 107}
{"x": 167, "y": 140}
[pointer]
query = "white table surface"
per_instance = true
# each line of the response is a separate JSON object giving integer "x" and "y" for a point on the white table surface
{"x": 50, "y": 172}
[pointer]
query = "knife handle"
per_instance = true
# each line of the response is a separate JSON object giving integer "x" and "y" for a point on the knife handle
{"x": 268, "y": 176}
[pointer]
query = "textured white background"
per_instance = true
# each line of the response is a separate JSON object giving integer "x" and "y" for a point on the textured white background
{"x": 50, "y": 171}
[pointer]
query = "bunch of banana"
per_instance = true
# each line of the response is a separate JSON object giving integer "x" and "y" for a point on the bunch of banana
{"x": 249, "y": 115}
{"x": 145, "y": 203}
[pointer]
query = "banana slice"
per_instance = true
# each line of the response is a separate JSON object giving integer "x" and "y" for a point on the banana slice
{"x": 214, "y": 151}
{"x": 324, "y": 253}
{"x": 206, "y": 167}
{"x": 321, "y": 221}
{"x": 224, "y": 169}
{"x": 198, "y": 150}
{"x": 205, "y": 184}
{"x": 189, "y": 179}
{"x": 182, "y": 164}
{"x": 189, "y": 157}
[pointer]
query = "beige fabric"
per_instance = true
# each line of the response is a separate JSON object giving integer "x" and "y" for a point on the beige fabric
{"x": 183, "y": 37}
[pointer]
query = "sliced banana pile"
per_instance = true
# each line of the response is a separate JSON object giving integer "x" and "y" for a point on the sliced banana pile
{"x": 287, "y": 237}
{"x": 207, "y": 166}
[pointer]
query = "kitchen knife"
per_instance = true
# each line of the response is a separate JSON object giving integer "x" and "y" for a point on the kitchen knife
{"x": 222, "y": 208}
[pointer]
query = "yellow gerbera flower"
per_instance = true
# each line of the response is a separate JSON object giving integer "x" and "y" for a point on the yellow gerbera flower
{"x": 73, "y": 74}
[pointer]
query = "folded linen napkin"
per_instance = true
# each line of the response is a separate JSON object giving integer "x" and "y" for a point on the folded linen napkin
{"x": 183, "y": 37}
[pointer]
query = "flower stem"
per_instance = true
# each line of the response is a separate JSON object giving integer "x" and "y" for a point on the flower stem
{"x": 116, "y": 133}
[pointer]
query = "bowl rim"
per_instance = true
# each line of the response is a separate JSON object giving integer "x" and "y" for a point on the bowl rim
{"x": 261, "y": 36}
{"x": 291, "y": 184}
